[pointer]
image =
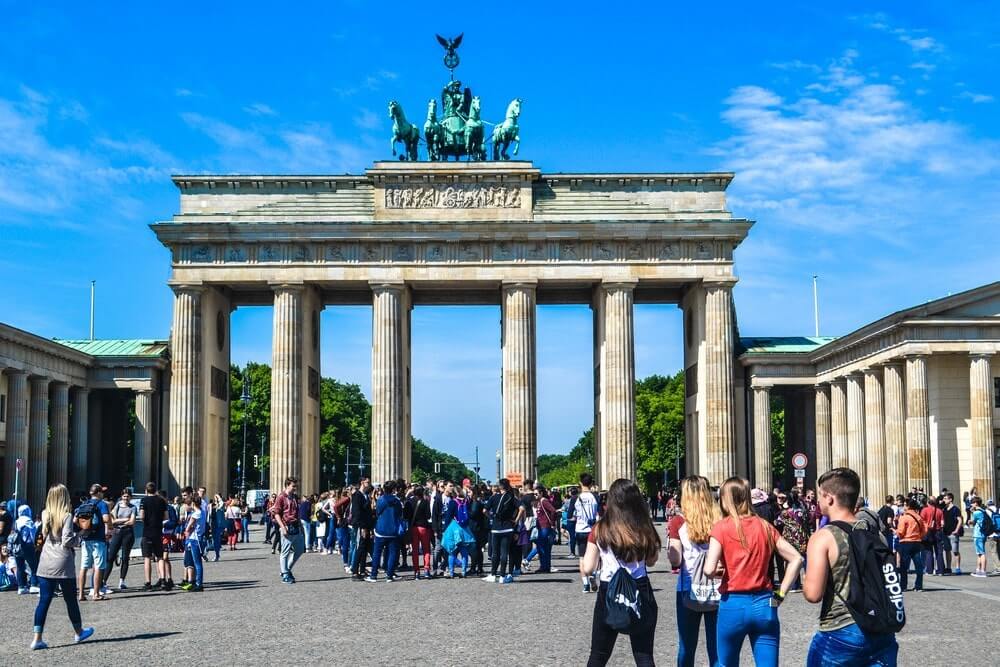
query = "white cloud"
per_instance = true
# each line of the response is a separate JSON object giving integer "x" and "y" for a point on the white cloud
{"x": 976, "y": 98}
{"x": 916, "y": 39}
{"x": 367, "y": 119}
{"x": 260, "y": 109}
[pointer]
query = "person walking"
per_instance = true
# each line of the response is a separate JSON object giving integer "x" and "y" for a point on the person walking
{"x": 194, "y": 531}
{"x": 839, "y": 640}
{"x": 910, "y": 529}
{"x": 569, "y": 519}
{"x": 417, "y": 513}
{"x": 94, "y": 519}
{"x": 233, "y": 523}
{"x": 56, "y": 563}
{"x": 624, "y": 538}
{"x": 741, "y": 546}
{"x": 123, "y": 516}
{"x": 362, "y": 522}
{"x": 689, "y": 532}
{"x": 21, "y": 546}
{"x": 388, "y": 515}
{"x": 285, "y": 513}
{"x": 502, "y": 509}
{"x": 341, "y": 507}
{"x": 586, "y": 510}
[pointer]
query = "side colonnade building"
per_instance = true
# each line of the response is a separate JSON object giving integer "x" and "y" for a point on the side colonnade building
{"x": 910, "y": 400}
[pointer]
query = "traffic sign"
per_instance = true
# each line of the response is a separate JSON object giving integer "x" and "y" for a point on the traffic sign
{"x": 19, "y": 464}
{"x": 799, "y": 461}
{"x": 800, "y": 473}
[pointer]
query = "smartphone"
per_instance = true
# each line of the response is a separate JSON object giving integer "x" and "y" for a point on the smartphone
{"x": 775, "y": 602}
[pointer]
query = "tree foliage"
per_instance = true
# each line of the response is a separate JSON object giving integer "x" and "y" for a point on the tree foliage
{"x": 778, "y": 438}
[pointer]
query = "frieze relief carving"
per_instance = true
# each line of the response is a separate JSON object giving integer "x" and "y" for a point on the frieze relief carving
{"x": 457, "y": 195}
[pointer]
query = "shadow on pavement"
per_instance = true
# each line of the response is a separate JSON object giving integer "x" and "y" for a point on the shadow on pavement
{"x": 110, "y": 640}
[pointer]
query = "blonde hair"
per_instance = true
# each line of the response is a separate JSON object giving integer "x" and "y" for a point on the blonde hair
{"x": 57, "y": 508}
{"x": 698, "y": 507}
{"x": 734, "y": 496}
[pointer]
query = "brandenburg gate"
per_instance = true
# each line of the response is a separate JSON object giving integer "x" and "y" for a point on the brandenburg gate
{"x": 407, "y": 233}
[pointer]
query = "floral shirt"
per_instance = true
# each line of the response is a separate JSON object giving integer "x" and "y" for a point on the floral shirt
{"x": 791, "y": 522}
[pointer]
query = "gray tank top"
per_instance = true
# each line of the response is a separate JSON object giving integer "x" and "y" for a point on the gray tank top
{"x": 834, "y": 614}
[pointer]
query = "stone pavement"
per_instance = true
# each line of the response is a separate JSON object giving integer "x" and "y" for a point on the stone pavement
{"x": 247, "y": 616}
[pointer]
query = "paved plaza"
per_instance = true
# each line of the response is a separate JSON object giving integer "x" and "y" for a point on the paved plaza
{"x": 247, "y": 616}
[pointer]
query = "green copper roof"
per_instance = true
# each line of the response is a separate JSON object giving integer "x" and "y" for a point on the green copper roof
{"x": 783, "y": 344}
{"x": 118, "y": 347}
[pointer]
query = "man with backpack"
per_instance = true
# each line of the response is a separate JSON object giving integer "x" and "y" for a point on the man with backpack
{"x": 857, "y": 583}
{"x": 93, "y": 519}
{"x": 586, "y": 509}
{"x": 21, "y": 546}
{"x": 983, "y": 527}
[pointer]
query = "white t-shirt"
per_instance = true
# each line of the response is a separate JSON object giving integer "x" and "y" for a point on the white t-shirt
{"x": 199, "y": 524}
{"x": 610, "y": 564}
{"x": 690, "y": 551}
{"x": 585, "y": 511}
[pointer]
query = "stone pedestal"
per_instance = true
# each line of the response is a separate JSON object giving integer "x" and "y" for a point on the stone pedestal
{"x": 143, "y": 440}
{"x": 875, "y": 458}
{"x": 59, "y": 433}
{"x": 838, "y": 423}
{"x": 17, "y": 432}
{"x": 856, "y": 459}
{"x": 78, "y": 466}
{"x": 763, "y": 477}
{"x": 286, "y": 387}
{"x": 824, "y": 445}
{"x": 520, "y": 444}
{"x": 390, "y": 381}
{"x": 614, "y": 443}
{"x": 38, "y": 442}
{"x": 720, "y": 433}
{"x": 918, "y": 435}
{"x": 184, "y": 450}
{"x": 981, "y": 402}
{"x": 895, "y": 429}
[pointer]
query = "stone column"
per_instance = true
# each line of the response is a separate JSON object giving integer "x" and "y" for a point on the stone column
{"x": 918, "y": 433}
{"x": 838, "y": 423}
{"x": 78, "y": 467}
{"x": 981, "y": 404}
{"x": 875, "y": 458}
{"x": 142, "y": 471}
{"x": 184, "y": 447}
{"x": 763, "y": 477}
{"x": 617, "y": 382}
{"x": 824, "y": 445}
{"x": 520, "y": 435}
{"x": 390, "y": 307}
{"x": 286, "y": 386}
{"x": 59, "y": 432}
{"x": 38, "y": 442}
{"x": 17, "y": 431}
{"x": 895, "y": 429}
{"x": 720, "y": 433}
{"x": 856, "y": 427}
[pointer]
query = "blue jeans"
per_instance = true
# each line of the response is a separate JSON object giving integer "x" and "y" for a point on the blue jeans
{"x": 571, "y": 529}
{"x": 911, "y": 551}
{"x": 344, "y": 537}
{"x": 544, "y": 547}
{"x": 192, "y": 559}
{"x": 934, "y": 552}
{"x": 331, "y": 535}
{"x": 47, "y": 589}
{"x": 850, "y": 646}
{"x": 217, "y": 539}
{"x": 688, "y": 623}
{"x": 390, "y": 544}
{"x": 307, "y": 531}
{"x": 743, "y": 614}
{"x": 292, "y": 547}
{"x": 26, "y": 561}
{"x": 245, "y": 530}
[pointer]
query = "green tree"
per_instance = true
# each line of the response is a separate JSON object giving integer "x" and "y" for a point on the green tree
{"x": 345, "y": 430}
{"x": 778, "y": 437}
{"x": 659, "y": 428}
{"x": 258, "y": 413}
{"x": 424, "y": 457}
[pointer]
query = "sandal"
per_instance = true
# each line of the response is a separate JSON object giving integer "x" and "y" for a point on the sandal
{"x": 98, "y": 598}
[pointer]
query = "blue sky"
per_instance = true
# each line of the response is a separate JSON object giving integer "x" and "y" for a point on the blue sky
{"x": 865, "y": 143}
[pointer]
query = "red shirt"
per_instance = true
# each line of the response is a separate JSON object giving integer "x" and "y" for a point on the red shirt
{"x": 674, "y": 527}
{"x": 286, "y": 508}
{"x": 746, "y": 569}
{"x": 933, "y": 517}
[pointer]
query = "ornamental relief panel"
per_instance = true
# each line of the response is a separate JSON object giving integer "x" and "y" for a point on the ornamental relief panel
{"x": 457, "y": 195}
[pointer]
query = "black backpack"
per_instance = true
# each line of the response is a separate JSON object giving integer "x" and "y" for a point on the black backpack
{"x": 875, "y": 598}
{"x": 989, "y": 526}
{"x": 88, "y": 511}
{"x": 627, "y": 608}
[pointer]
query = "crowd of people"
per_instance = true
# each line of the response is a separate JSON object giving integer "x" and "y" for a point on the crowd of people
{"x": 738, "y": 551}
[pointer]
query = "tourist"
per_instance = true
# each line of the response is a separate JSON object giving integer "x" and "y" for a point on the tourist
{"x": 689, "y": 533}
{"x": 152, "y": 513}
{"x": 21, "y": 546}
{"x": 417, "y": 512}
{"x": 624, "y": 538}
{"x": 953, "y": 530}
{"x": 791, "y": 521}
{"x": 742, "y": 545}
{"x": 246, "y": 517}
{"x": 94, "y": 520}
{"x": 839, "y": 640}
{"x": 458, "y": 539}
{"x": 910, "y": 529}
{"x": 218, "y": 524}
{"x": 194, "y": 531}
{"x": 56, "y": 562}
{"x": 479, "y": 525}
{"x": 285, "y": 513}
{"x": 305, "y": 519}
{"x": 233, "y": 523}
{"x": 444, "y": 512}
{"x": 546, "y": 520}
{"x": 933, "y": 518}
{"x": 569, "y": 519}
{"x": 887, "y": 520}
{"x": 340, "y": 509}
{"x": 502, "y": 509}
{"x": 586, "y": 509}
{"x": 171, "y": 522}
{"x": 123, "y": 516}
{"x": 362, "y": 520}
{"x": 388, "y": 515}
{"x": 269, "y": 525}
{"x": 977, "y": 517}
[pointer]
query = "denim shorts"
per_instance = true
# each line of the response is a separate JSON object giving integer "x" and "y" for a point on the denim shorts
{"x": 953, "y": 541}
{"x": 95, "y": 554}
{"x": 980, "y": 544}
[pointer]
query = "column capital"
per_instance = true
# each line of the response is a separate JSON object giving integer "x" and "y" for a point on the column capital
{"x": 145, "y": 391}
{"x": 894, "y": 363}
{"x": 916, "y": 356}
{"x": 286, "y": 286}
{"x": 871, "y": 370}
{"x": 763, "y": 388}
{"x": 40, "y": 380}
{"x": 842, "y": 380}
{"x": 977, "y": 354}
{"x": 519, "y": 284}
{"x": 77, "y": 389}
{"x": 186, "y": 287}
{"x": 58, "y": 383}
{"x": 608, "y": 285}
{"x": 15, "y": 371}
{"x": 719, "y": 283}
{"x": 379, "y": 286}
{"x": 820, "y": 386}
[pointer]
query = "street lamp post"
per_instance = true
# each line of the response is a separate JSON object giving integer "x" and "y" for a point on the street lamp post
{"x": 245, "y": 398}
{"x": 498, "y": 466}
{"x": 261, "y": 461}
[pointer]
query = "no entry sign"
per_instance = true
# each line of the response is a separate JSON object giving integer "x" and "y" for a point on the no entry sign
{"x": 799, "y": 461}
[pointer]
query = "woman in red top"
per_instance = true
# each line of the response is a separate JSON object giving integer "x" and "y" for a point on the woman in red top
{"x": 741, "y": 548}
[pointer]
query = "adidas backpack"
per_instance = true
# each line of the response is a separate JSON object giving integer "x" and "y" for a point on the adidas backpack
{"x": 875, "y": 598}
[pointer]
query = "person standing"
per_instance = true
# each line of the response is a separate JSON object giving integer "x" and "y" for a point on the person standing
{"x": 194, "y": 531}
{"x": 933, "y": 518}
{"x": 624, "y": 538}
{"x": 152, "y": 514}
{"x": 569, "y": 519}
{"x": 586, "y": 510}
{"x": 21, "y": 546}
{"x": 341, "y": 507}
{"x": 689, "y": 533}
{"x": 362, "y": 522}
{"x": 910, "y": 529}
{"x": 285, "y": 513}
{"x": 56, "y": 563}
{"x": 502, "y": 509}
{"x": 218, "y": 524}
{"x": 388, "y": 515}
{"x": 417, "y": 512}
{"x": 305, "y": 519}
{"x": 839, "y": 640}
{"x": 123, "y": 517}
{"x": 953, "y": 531}
{"x": 233, "y": 523}
{"x": 977, "y": 517}
{"x": 546, "y": 521}
{"x": 887, "y": 520}
{"x": 94, "y": 520}
{"x": 742, "y": 545}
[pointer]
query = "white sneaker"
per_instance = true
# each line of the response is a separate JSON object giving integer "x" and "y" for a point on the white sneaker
{"x": 105, "y": 590}
{"x": 347, "y": 569}
{"x": 34, "y": 590}
{"x": 489, "y": 578}
{"x": 122, "y": 586}
{"x": 35, "y": 646}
